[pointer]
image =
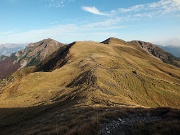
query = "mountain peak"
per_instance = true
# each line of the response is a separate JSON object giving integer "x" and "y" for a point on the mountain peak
{"x": 113, "y": 40}
{"x": 48, "y": 40}
{"x": 32, "y": 55}
{"x": 157, "y": 52}
{"x": 40, "y": 50}
{"x": 44, "y": 42}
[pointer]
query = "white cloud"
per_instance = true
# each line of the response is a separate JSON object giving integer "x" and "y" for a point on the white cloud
{"x": 160, "y": 8}
{"x": 66, "y": 33}
{"x": 165, "y": 6}
{"x": 53, "y": 23}
{"x": 7, "y": 32}
{"x": 131, "y": 9}
{"x": 178, "y": 1}
{"x": 171, "y": 41}
{"x": 93, "y": 10}
{"x": 104, "y": 23}
{"x": 57, "y": 3}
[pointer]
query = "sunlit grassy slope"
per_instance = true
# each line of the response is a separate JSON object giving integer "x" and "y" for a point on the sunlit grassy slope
{"x": 96, "y": 74}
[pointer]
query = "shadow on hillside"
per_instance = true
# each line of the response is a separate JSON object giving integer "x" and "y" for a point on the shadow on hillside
{"x": 65, "y": 119}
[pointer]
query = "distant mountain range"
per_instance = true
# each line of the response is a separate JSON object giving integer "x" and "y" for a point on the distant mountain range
{"x": 175, "y": 50}
{"x": 90, "y": 88}
{"x": 8, "y": 49}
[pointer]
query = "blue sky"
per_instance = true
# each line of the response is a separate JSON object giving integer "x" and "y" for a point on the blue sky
{"x": 25, "y": 21}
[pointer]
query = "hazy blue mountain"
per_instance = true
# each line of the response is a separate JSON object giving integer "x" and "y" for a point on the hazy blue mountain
{"x": 8, "y": 49}
{"x": 174, "y": 50}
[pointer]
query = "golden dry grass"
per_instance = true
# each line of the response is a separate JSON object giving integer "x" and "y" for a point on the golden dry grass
{"x": 96, "y": 75}
{"x": 118, "y": 74}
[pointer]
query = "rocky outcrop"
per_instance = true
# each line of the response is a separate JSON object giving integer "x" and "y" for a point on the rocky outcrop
{"x": 158, "y": 52}
{"x": 35, "y": 53}
{"x": 32, "y": 55}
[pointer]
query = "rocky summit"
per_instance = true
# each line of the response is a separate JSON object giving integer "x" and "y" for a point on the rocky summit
{"x": 32, "y": 55}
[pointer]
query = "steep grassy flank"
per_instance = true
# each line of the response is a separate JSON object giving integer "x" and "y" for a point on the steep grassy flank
{"x": 7, "y": 67}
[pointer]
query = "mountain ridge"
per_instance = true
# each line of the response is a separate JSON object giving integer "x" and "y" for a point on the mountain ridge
{"x": 95, "y": 84}
{"x": 98, "y": 60}
{"x": 158, "y": 53}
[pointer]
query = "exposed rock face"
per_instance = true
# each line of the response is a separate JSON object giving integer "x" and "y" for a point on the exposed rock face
{"x": 158, "y": 52}
{"x": 32, "y": 55}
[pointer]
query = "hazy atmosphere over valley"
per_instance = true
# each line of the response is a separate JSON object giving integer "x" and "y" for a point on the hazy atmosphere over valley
{"x": 89, "y": 67}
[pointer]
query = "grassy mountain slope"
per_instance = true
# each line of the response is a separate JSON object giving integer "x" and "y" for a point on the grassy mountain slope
{"x": 90, "y": 77}
{"x": 108, "y": 73}
{"x": 7, "y": 67}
